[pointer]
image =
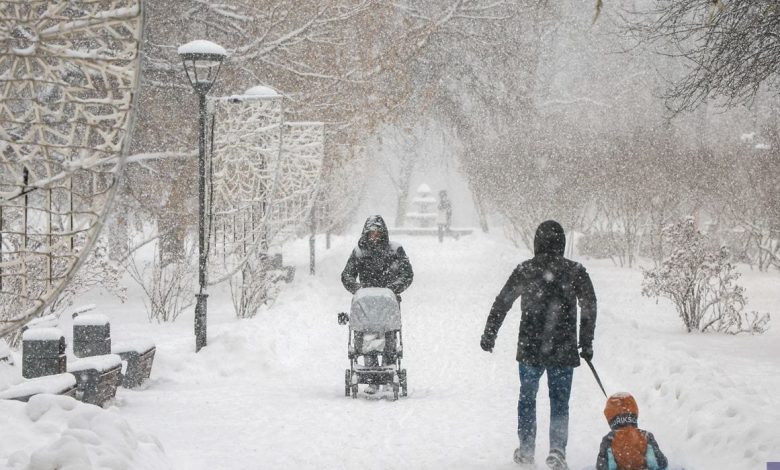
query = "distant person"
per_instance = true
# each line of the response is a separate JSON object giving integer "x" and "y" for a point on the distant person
{"x": 627, "y": 447}
{"x": 444, "y": 216}
{"x": 550, "y": 286}
{"x": 377, "y": 262}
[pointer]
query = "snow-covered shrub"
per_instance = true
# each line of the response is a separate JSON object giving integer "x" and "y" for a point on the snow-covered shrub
{"x": 599, "y": 245}
{"x": 701, "y": 282}
{"x": 168, "y": 288}
{"x": 97, "y": 272}
{"x": 257, "y": 284}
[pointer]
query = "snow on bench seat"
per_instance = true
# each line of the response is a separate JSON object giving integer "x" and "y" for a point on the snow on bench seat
{"x": 100, "y": 363}
{"x": 60, "y": 384}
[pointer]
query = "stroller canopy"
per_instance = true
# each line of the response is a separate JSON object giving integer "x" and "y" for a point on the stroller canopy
{"x": 375, "y": 310}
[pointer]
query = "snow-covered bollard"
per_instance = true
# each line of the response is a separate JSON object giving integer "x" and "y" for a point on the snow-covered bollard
{"x": 139, "y": 356}
{"x": 43, "y": 352}
{"x": 91, "y": 335}
{"x": 97, "y": 378}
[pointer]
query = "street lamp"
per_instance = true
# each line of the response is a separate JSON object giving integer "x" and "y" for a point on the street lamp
{"x": 202, "y": 61}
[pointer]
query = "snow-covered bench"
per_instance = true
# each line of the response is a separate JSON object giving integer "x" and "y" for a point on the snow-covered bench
{"x": 59, "y": 384}
{"x": 92, "y": 337}
{"x": 97, "y": 378}
{"x": 139, "y": 356}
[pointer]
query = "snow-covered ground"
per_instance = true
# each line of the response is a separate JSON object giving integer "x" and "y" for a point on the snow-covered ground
{"x": 268, "y": 392}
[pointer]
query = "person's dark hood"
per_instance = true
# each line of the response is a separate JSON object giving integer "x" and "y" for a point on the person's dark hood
{"x": 549, "y": 239}
{"x": 371, "y": 222}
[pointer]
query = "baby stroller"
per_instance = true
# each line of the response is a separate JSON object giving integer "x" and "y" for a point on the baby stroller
{"x": 374, "y": 333}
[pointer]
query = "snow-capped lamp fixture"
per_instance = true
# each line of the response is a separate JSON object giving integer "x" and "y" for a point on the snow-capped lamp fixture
{"x": 202, "y": 61}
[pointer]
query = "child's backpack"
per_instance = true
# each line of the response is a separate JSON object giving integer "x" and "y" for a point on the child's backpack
{"x": 630, "y": 451}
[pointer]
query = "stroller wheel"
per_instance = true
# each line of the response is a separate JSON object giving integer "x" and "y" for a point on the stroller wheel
{"x": 347, "y": 382}
{"x": 402, "y": 381}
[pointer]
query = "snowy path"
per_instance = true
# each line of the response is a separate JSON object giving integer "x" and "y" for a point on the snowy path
{"x": 268, "y": 393}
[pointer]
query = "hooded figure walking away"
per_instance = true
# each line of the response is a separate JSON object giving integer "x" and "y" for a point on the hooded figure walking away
{"x": 377, "y": 262}
{"x": 550, "y": 286}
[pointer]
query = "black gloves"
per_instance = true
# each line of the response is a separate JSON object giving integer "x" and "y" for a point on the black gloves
{"x": 587, "y": 352}
{"x": 487, "y": 343}
{"x": 343, "y": 318}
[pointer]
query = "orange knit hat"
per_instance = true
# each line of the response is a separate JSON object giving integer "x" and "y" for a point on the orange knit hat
{"x": 621, "y": 410}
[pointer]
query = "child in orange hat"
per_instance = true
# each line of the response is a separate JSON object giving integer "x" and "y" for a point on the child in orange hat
{"x": 627, "y": 447}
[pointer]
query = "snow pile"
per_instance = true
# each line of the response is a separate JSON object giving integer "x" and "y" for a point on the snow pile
{"x": 57, "y": 432}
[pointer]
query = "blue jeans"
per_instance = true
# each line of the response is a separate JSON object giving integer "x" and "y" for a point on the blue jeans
{"x": 559, "y": 385}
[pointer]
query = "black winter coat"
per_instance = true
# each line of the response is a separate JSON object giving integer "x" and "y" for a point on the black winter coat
{"x": 550, "y": 286}
{"x": 377, "y": 264}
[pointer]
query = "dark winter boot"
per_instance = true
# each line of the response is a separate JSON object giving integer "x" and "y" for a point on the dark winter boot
{"x": 556, "y": 460}
{"x": 526, "y": 461}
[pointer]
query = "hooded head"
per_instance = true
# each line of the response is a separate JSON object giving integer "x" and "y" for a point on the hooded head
{"x": 374, "y": 234}
{"x": 621, "y": 410}
{"x": 549, "y": 239}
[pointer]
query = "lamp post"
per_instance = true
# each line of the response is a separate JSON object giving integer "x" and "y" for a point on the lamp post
{"x": 202, "y": 61}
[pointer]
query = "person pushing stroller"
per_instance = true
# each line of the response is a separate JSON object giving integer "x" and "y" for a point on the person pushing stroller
{"x": 377, "y": 262}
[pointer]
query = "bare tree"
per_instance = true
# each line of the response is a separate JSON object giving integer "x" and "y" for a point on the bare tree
{"x": 732, "y": 48}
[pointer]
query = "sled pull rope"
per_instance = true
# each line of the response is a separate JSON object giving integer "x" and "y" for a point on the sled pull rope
{"x": 598, "y": 380}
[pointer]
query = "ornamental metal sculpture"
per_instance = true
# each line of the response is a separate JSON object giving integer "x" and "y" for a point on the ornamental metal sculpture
{"x": 68, "y": 81}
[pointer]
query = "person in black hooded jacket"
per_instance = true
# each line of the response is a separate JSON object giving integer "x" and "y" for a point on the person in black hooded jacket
{"x": 377, "y": 262}
{"x": 550, "y": 286}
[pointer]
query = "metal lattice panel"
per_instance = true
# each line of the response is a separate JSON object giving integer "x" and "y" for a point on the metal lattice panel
{"x": 68, "y": 79}
{"x": 299, "y": 176}
{"x": 245, "y": 159}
